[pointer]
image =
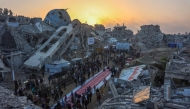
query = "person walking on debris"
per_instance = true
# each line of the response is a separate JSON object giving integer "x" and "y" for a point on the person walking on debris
{"x": 61, "y": 93}
{"x": 102, "y": 90}
{"x": 41, "y": 80}
{"x": 20, "y": 84}
{"x": 80, "y": 80}
{"x": 65, "y": 98}
{"x": 105, "y": 82}
{"x": 58, "y": 106}
{"x": 98, "y": 97}
{"x": 86, "y": 103}
{"x": 49, "y": 78}
{"x": 47, "y": 100}
{"x": 75, "y": 80}
{"x": 56, "y": 96}
{"x": 97, "y": 91}
{"x": 52, "y": 92}
{"x": 94, "y": 88}
{"x": 89, "y": 96}
{"x": 36, "y": 80}
{"x": 29, "y": 97}
{"x": 43, "y": 105}
{"x": 88, "y": 74}
{"x": 64, "y": 84}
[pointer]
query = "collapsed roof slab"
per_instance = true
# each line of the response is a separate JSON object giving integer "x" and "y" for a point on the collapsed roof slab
{"x": 50, "y": 47}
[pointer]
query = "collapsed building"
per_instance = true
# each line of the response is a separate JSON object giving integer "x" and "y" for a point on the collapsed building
{"x": 182, "y": 38}
{"x": 176, "y": 83}
{"x": 132, "y": 89}
{"x": 27, "y": 35}
{"x": 57, "y": 44}
{"x": 151, "y": 34}
{"x": 121, "y": 32}
{"x": 27, "y": 38}
{"x": 57, "y": 18}
{"x": 9, "y": 100}
{"x": 145, "y": 86}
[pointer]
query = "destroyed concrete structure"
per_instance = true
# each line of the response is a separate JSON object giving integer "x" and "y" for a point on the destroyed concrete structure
{"x": 57, "y": 18}
{"x": 130, "y": 85}
{"x": 29, "y": 34}
{"x": 9, "y": 100}
{"x": 59, "y": 41}
{"x": 151, "y": 34}
{"x": 122, "y": 32}
{"x": 176, "y": 83}
{"x": 99, "y": 27}
{"x": 173, "y": 93}
{"x": 182, "y": 38}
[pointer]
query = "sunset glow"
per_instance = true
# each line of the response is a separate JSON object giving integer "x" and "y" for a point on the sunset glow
{"x": 172, "y": 15}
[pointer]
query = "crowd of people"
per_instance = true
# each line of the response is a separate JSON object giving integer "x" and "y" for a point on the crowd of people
{"x": 107, "y": 58}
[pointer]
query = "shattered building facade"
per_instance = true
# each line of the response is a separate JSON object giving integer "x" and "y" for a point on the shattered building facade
{"x": 9, "y": 100}
{"x": 151, "y": 34}
{"x": 177, "y": 82}
{"x": 29, "y": 37}
{"x": 122, "y": 32}
{"x": 99, "y": 27}
{"x": 57, "y": 18}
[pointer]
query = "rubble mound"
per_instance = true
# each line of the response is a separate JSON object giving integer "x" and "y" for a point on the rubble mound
{"x": 9, "y": 100}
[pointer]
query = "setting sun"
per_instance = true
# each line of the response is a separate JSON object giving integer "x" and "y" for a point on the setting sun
{"x": 91, "y": 21}
{"x": 133, "y": 13}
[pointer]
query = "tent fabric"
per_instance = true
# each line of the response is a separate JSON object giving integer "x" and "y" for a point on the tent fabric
{"x": 76, "y": 59}
{"x": 61, "y": 61}
{"x": 148, "y": 60}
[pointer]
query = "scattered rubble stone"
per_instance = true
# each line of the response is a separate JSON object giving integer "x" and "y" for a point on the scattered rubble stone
{"x": 9, "y": 100}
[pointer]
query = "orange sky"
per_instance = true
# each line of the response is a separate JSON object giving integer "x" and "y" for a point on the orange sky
{"x": 172, "y": 15}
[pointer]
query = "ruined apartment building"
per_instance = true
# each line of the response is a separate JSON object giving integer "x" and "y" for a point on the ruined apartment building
{"x": 121, "y": 31}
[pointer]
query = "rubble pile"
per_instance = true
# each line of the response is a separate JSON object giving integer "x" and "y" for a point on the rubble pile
{"x": 9, "y": 100}
{"x": 183, "y": 38}
{"x": 148, "y": 87}
{"x": 156, "y": 39}
{"x": 151, "y": 34}
{"x": 28, "y": 28}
